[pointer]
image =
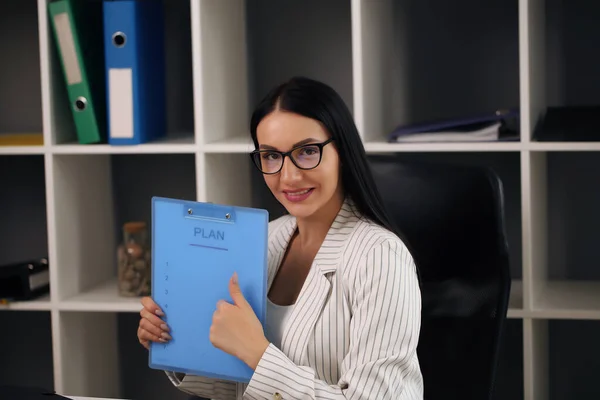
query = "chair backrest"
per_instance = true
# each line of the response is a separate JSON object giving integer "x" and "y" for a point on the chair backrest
{"x": 452, "y": 217}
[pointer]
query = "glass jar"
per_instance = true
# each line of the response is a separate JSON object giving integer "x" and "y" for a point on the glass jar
{"x": 133, "y": 256}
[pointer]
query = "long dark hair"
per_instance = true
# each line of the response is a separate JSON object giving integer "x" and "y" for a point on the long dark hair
{"x": 316, "y": 100}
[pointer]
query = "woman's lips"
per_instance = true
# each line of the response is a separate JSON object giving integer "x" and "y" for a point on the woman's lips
{"x": 298, "y": 195}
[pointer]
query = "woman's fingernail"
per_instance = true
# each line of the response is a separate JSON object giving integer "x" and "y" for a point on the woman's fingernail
{"x": 164, "y": 327}
{"x": 159, "y": 312}
{"x": 166, "y": 336}
{"x": 162, "y": 340}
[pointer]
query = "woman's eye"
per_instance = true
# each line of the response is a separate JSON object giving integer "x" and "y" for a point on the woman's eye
{"x": 270, "y": 156}
{"x": 309, "y": 151}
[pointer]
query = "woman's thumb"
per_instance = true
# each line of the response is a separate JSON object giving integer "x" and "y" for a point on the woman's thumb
{"x": 235, "y": 291}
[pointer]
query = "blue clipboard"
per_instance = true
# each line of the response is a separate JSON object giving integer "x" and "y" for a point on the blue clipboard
{"x": 196, "y": 248}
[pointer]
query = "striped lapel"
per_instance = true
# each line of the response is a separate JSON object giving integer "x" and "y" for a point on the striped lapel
{"x": 317, "y": 286}
{"x": 278, "y": 245}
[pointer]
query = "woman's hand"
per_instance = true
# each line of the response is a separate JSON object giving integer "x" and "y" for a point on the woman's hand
{"x": 236, "y": 330}
{"x": 152, "y": 328}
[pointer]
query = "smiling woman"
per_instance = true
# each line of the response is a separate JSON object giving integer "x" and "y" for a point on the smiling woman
{"x": 301, "y": 187}
{"x": 344, "y": 302}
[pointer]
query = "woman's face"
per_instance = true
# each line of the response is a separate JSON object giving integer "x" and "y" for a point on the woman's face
{"x": 301, "y": 192}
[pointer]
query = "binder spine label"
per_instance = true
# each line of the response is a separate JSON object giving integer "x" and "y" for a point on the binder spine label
{"x": 66, "y": 45}
{"x": 121, "y": 103}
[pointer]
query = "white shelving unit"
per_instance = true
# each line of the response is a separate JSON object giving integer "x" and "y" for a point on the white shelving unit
{"x": 392, "y": 62}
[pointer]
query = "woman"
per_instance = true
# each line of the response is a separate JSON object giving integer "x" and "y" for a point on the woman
{"x": 344, "y": 303}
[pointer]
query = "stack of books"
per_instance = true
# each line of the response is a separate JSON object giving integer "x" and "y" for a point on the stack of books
{"x": 499, "y": 125}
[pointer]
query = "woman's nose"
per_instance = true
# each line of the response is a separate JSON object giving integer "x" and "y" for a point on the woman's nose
{"x": 289, "y": 171}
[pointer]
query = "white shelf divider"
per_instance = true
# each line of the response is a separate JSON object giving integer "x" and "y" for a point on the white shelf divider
{"x": 41, "y": 303}
{"x": 534, "y": 226}
{"x": 532, "y": 58}
{"x": 535, "y": 362}
{"x": 21, "y": 150}
{"x": 183, "y": 145}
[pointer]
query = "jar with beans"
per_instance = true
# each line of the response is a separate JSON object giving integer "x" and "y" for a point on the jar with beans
{"x": 133, "y": 256}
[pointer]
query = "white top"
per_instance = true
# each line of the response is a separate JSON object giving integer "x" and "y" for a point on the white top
{"x": 277, "y": 317}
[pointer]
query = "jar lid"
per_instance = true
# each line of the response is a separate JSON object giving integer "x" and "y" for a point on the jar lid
{"x": 134, "y": 226}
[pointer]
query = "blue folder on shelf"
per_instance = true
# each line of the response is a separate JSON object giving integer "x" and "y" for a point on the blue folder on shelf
{"x": 196, "y": 248}
{"x": 134, "y": 47}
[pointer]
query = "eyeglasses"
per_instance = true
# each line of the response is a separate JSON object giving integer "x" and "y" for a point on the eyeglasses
{"x": 307, "y": 156}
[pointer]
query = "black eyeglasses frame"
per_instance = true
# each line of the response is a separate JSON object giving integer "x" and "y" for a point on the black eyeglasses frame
{"x": 288, "y": 154}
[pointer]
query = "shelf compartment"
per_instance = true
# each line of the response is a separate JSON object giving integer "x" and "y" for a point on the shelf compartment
{"x": 27, "y": 357}
{"x": 95, "y": 196}
{"x": 429, "y": 60}
{"x": 572, "y": 359}
{"x": 564, "y": 267}
{"x": 563, "y": 69}
{"x": 572, "y": 63}
{"x": 20, "y": 79}
{"x": 179, "y": 102}
{"x": 572, "y": 238}
{"x": 23, "y": 203}
{"x": 247, "y": 48}
{"x": 311, "y": 38}
{"x": 220, "y": 69}
{"x": 24, "y": 229}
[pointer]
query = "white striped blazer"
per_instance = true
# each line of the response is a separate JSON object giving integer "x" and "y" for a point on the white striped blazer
{"x": 354, "y": 330}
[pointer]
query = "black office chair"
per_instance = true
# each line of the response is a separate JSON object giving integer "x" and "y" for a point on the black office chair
{"x": 453, "y": 220}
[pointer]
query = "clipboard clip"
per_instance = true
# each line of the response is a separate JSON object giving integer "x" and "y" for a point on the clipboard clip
{"x": 210, "y": 211}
